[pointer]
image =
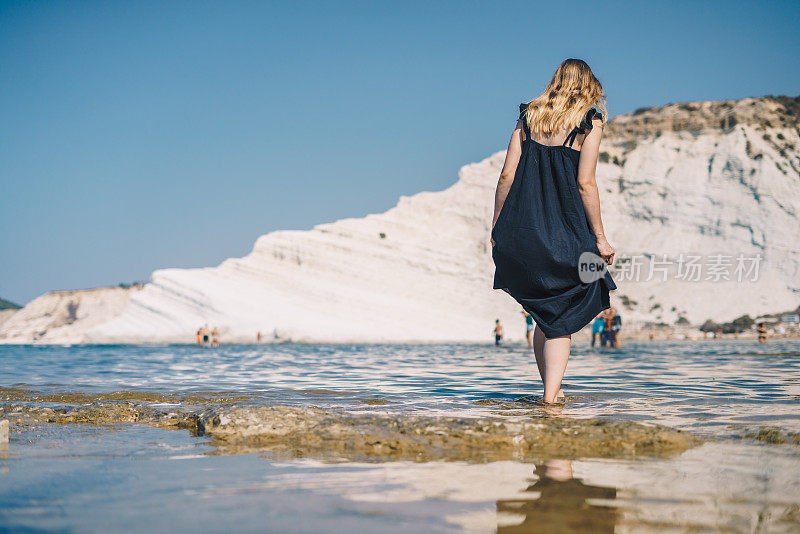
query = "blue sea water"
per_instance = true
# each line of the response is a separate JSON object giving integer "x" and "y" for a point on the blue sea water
{"x": 133, "y": 478}
{"x": 702, "y": 386}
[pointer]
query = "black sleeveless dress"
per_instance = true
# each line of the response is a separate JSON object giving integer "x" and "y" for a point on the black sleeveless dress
{"x": 540, "y": 234}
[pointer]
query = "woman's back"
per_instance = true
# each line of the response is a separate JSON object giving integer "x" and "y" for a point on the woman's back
{"x": 542, "y": 231}
{"x": 558, "y": 138}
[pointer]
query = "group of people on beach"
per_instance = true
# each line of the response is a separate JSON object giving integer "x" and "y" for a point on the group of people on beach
{"x": 529, "y": 326}
{"x": 206, "y": 337}
{"x": 606, "y": 327}
{"x": 210, "y": 338}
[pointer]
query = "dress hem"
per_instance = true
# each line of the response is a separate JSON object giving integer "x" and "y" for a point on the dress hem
{"x": 549, "y": 332}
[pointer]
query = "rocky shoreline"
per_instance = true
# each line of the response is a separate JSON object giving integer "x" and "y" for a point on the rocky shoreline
{"x": 235, "y": 427}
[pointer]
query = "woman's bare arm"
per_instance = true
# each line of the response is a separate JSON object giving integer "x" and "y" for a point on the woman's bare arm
{"x": 587, "y": 185}
{"x": 509, "y": 170}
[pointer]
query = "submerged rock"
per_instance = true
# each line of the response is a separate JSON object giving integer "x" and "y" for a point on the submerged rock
{"x": 24, "y": 407}
{"x": 27, "y": 395}
{"x": 101, "y": 414}
{"x": 774, "y": 436}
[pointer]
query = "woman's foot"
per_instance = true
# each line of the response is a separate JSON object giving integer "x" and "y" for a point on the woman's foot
{"x": 559, "y": 400}
{"x": 553, "y": 407}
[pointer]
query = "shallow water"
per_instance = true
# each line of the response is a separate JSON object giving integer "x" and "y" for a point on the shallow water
{"x": 135, "y": 478}
{"x": 143, "y": 479}
{"x": 707, "y": 387}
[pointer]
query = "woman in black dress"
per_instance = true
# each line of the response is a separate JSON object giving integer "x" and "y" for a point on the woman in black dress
{"x": 547, "y": 217}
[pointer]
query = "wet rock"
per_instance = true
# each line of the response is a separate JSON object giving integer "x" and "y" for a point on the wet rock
{"x": 774, "y": 436}
{"x": 100, "y": 414}
{"x": 26, "y": 395}
{"x": 300, "y": 432}
{"x": 374, "y": 402}
{"x": 294, "y": 431}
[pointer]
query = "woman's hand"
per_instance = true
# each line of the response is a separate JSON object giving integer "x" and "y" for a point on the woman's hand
{"x": 605, "y": 249}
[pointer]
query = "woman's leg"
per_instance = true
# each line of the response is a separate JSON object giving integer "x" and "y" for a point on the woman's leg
{"x": 555, "y": 356}
{"x": 538, "y": 351}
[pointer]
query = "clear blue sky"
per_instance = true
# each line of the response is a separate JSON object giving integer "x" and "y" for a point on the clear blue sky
{"x": 141, "y": 135}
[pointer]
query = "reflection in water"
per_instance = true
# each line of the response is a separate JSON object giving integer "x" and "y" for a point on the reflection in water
{"x": 562, "y": 505}
{"x": 65, "y": 478}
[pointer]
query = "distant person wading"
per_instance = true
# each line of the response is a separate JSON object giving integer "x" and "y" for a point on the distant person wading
{"x": 498, "y": 332}
{"x": 598, "y": 326}
{"x": 547, "y": 213}
{"x": 529, "y": 326}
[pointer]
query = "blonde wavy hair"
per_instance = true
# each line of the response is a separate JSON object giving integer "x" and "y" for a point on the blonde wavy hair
{"x": 572, "y": 92}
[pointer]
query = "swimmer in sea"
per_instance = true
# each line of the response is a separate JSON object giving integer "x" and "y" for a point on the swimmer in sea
{"x": 205, "y": 332}
{"x": 498, "y": 333}
{"x": 607, "y": 315}
{"x": 529, "y": 327}
{"x": 598, "y": 326}
{"x": 616, "y": 326}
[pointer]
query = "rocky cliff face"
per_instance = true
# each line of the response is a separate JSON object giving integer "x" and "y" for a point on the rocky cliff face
{"x": 64, "y": 316}
{"x": 718, "y": 180}
{"x": 5, "y": 315}
{"x": 709, "y": 184}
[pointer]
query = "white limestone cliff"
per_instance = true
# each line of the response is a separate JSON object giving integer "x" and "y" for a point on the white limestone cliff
{"x": 694, "y": 179}
{"x": 5, "y": 315}
{"x": 65, "y": 316}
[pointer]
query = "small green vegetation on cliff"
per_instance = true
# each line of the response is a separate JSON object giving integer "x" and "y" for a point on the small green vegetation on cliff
{"x": 740, "y": 324}
{"x": 8, "y": 305}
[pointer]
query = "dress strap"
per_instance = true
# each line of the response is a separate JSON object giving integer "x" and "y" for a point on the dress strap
{"x": 522, "y": 109}
{"x": 583, "y": 127}
{"x": 571, "y": 137}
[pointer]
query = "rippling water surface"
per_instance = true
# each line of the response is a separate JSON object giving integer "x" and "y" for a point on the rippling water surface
{"x": 702, "y": 386}
{"x": 135, "y": 478}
